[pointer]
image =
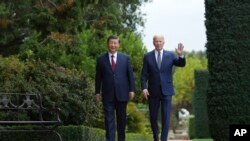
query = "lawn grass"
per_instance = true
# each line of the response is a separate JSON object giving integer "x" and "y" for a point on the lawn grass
{"x": 202, "y": 140}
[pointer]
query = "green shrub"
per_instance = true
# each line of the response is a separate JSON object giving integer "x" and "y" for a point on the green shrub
{"x": 138, "y": 137}
{"x": 68, "y": 133}
{"x": 199, "y": 103}
{"x": 69, "y": 89}
{"x": 191, "y": 127}
{"x": 135, "y": 119}
{"x": 12, "y": 74}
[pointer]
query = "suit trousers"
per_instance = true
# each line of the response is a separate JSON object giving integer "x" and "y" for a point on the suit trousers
{"x": 154, "y": 104}
{"x": 110, "y": 108}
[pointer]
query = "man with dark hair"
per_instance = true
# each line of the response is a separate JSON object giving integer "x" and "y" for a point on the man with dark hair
{"x": 114, "y": 86}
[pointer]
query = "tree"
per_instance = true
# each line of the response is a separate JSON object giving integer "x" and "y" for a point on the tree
{"x": 67, "y": 35}
{"x": 19, "y": 19}
{"x": 184, "y": 78}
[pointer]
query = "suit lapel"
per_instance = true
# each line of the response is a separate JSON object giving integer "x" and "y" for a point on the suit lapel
{"x": 152, "y": 57}
{"x": 118, "y": 59}
{"x": 165, "y": 59}
{"x": 107, "y": 61}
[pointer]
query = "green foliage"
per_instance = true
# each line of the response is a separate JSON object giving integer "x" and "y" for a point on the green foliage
{"x": 135, "y": 119}
{"x": 137, "y": 137}
{"x": 118, "y": 16}
{"x": 20, "y": 19}
{"x": 192, "y": 127}
{"x": 13, "y": 25}
{"x": 143, "y": 107}
{"x": 80, "y": 51}
{"x": 60, "y": 53}
{"x": 200, "y": 104}
{"x": 11, "y": 78}
{"x": 55, "y": 44}
{"x": 4, "y": 11}
{"x": 203, "y": 139}
{"x": 69, "y": 89}
{"x": 134, "y": 48}
{"x": 184, "y": 78}
{"x": 68, "y": 133}
{"x": 59, "y": 48}
{"x": 228, "y": 43}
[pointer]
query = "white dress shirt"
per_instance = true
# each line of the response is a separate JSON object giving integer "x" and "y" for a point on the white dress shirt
{"x": 156, "y": 54}
{"x": 110, "y": 58}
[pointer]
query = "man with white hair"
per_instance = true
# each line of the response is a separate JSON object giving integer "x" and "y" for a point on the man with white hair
{"x": 157, "y": 83}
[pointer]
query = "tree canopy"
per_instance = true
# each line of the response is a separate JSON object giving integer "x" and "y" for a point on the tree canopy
{"x": 50, "y": 47}
{"x": 184, "y": 78}
{"x": 19, "y": 19}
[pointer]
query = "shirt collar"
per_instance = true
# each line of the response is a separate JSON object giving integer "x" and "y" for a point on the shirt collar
{"x": 115, "y": 54}
{"x": 156, "y": 52}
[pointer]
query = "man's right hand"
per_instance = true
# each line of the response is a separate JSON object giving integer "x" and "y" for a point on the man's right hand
{"x": 98, "y": 97}
{"x": 145, "y": 94}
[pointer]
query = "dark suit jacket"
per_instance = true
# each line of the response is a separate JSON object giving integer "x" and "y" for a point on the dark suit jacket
{"x": 114, "y": 84}
{"x": 159, "y": 80}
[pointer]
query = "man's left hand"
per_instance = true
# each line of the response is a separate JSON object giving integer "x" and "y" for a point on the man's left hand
{"x": 131, "y": 95}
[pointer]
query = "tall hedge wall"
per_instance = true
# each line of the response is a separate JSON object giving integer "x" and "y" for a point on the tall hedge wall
{"x": 199, "y": 102}
{"x": 228, "y": 52}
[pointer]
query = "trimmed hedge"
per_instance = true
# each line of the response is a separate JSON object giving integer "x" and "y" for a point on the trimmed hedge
{"x": 228, "y": 43}
{"x": 68, "y": 133}
{"x": 200, "y": 104}
{"x": 191, "y": 127}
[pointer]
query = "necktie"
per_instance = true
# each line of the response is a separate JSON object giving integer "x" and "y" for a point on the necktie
{"x": 113, "y": 62}
{"x": 159, "y": 60}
